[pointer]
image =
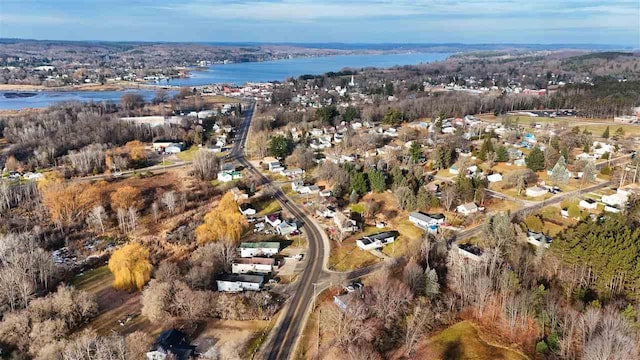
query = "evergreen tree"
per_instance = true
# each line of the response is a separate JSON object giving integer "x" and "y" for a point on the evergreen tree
{"x": 609, "y": 247}
{"x": 415, "y": 152}
{"x": 279, "y": 146}
{"x": 502, "y": 155}
{"x": 589, "y": 172}
{"x": 560, "y": 174}
{"x": 535, "y": 159}
{"x": 359, "y": 183}
{"x": 605, "y": 134}
{"x": 487, "y": 147}
{"x": 377, "y": 180}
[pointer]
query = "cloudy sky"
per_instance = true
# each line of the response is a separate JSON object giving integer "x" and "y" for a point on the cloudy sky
{"x": 614, "y": 22}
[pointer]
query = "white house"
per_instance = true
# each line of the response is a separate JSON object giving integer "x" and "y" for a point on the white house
{"x": 426, "y": 221}
{"x": 611, "y": 209}
{"x": 344, "y": 223}
{"x": 536, "y": 191}
{"x": 467, "y": 209}
{"x": 308, "y": 189}
{"x": 376, "y": 241}
{"x": 253, "y": 265}
{"x": 247, "y": 209}
{"x": 286, "y": 228}
{"x": 618, "y": 199}
{"x": 239, "y": 282}
{"x": 239, "y": 194}
{"x": 274, "y": 166}
{"x": 538, "y": 239}
{"x": 453, "y": 170}
{"x": 469, "y": 251}
{"x": 253, "y": 249}
{"x": 327, "y": 212}
{"x": 292, "y": 172}
{"x": 273, "y": 219}
{"x": 589, "y": 204}
{"x": 173, "y": 149}
{"x": 226, "y": 176}
{"x": 493, "y": 178}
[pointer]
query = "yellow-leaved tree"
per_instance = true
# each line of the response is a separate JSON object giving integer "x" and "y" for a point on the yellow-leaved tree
{"x": 136, "y": 150}
{"x": 68, "y": 203}
{"x": 130, "y": 267}
{"x": 222, "y": 223}
{"x": 125, "y": 197}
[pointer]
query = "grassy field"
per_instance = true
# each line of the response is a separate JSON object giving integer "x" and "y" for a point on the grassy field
{"x": 462, "y": 341}
{"x": 188, "y": 154}
{"x": 348, "y": 256}
{"x": 267, "y": 206}
{"x": 118, "y": 310}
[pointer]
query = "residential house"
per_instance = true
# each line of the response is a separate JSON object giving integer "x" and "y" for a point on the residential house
{"x": 470, "y": 251}
{"x": 286, "y": 228}
{"x": 239, "y": 282}
{"x": 171, "y": 344}
{"x": 247, "y": 209}
{"x": 453, "y": 170}
{"x": 589, "y": 204}
{"x": 160, "y": 145}
{"x": 538, "y": 239}
{"x": 344, "y": 224}
{"x": 308, "y": 189}
{"x": 227, "y": 176}
{"x": 273, "y": 219}
{"x": 520, "y": 162}
{"x": 376, "y": 241}
{"x": 326, "y": 212}
{"x": 292, "y": 172}
{"x": 536, "y": 191}
{"x": 253, "y": 265}
{"x": 257, "y": 249}
{"x": 426, "y": 221}
{"x": 239, "y": 194}
{"x": 173, "y": 149}
{"x": 325, "y": 193}
{"x": 618, "y": 199}
{"x": 467, "y": 209}
{"x": 493, "y": 178}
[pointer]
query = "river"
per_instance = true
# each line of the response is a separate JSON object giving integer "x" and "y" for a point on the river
{"x": 278, "y": 70}
{"x": 40, "y": 99}
{"x": 238, "y": 73}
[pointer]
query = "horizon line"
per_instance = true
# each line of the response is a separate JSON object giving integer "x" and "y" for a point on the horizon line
{"x": 624, "y": 46}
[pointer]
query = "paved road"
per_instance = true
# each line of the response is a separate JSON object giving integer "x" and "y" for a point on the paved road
{"x": 289, "y": 327}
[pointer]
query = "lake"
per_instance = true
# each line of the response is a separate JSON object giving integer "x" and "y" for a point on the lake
{"x": 9, "y": 100}
{"x": 238, "y": 73}
{"x": 278, "y": 70}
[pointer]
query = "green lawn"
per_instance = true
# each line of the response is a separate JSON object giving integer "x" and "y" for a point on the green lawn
{"x": 188, "y": 154}
{"x": 267, "y": 206}
{"x": 93, "y": 280}
{"x": 462, "y": 341}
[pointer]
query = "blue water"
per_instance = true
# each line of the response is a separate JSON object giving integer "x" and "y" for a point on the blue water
{"x": 48, "y": 98}
{"x": 238, "y": 73}
{"x": 279, "y": 70}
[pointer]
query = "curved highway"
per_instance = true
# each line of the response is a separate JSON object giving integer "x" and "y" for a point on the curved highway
{"x": 291, "y": 323}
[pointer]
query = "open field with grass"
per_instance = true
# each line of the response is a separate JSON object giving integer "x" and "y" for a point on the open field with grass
{"x": 266, "y": 206}
{"x": 188, "y": 154}
{"x": 235, "y": 339}
{"x": 463, "y": 341}
{"x": 347, "y": 256}
{"x": 118, "y": 310}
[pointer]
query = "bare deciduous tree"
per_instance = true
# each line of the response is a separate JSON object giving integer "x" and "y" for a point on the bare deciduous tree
{"x": 206, "y": 165}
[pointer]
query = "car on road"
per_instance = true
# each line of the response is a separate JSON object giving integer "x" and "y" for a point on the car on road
{"x": 116, "y": 174}
{"x": 299, "y": 257}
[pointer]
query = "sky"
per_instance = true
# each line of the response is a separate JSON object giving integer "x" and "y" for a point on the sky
{"x": 612, "y": 22}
